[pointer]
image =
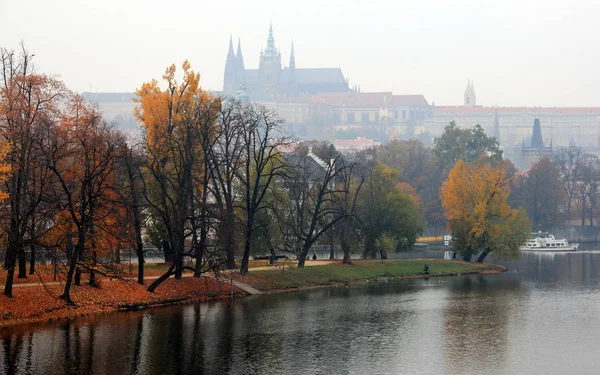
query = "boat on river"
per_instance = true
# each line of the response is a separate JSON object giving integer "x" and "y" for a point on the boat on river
{"x": 547, "y": 242}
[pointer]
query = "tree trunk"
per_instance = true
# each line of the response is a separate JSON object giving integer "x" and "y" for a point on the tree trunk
{"x": 247, "y": 243}
{"x": 78, "y": 258}
{"x": 11, "y": 257}
{"x": 229, "y": 241}
{"x": 331, "y": 246}
{"x": 22, "y": 264}
{"x": 140, "y": 256}
{"x": 32, "y": 247}
{"x": 32, "y": 260}
{"x": 162, "y": 278}
{"x": 66, "y": 296}
{"x": 10, "y": 266}
{"x": 301, "y": 261}
{"x": 344, "y": 243}
{"x": 92, "y": 273}
{"x": 483, "y": 255}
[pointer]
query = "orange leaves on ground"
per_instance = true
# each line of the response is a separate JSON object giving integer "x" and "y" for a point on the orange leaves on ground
{"x": 39, "y": 304}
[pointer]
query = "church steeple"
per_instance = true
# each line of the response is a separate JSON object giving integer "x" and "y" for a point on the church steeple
{"x": 239, "y": 56}
{"x": 536, "y": 139}
{"x": 496, "y": 126}
{"x": 230, "y": 54}
{"x": 230, "y": 78}
{"x": 270, "y": 51}
{"x": 292, "y": 58}
{"x": 470, "y": 98}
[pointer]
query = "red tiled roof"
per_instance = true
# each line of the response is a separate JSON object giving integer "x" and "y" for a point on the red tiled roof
{"x": 411, "y": 100}
{"x": 363, "y": 99}
{"x": 459, "y": 110}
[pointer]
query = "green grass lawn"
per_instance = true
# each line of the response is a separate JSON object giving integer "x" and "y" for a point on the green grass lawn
{"x": 358, "y": 271}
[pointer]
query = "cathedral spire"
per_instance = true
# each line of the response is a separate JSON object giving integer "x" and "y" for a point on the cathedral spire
{"x": 470, "y": 98}
{"x": 239, "y": 56}
{"x": 270, "y": 51}
{"x": 231, "y": 70}
{"x": 292, "y": 58}
{"x": 536, "y": 138}
{"x": 230, "y": 53}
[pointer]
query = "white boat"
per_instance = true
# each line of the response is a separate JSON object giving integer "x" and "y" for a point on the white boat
{"x": 547, "y": 242}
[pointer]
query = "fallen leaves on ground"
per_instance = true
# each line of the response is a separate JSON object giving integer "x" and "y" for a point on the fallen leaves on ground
{"x": 41, "y": 303}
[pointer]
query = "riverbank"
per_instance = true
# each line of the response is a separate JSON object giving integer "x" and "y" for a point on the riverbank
{"x": 38, "y": 303}
{"x": 286, "y": 278}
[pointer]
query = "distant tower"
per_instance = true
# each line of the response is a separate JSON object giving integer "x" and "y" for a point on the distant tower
{"x": 536, "y": 137}
{"x": 470, "y": 98}
{"x": 269, "y": 68}
{"x": 496, "y": 126}
{"x": 240, "y": 68}
{"x": 536, "y": 151}
{"x": 242, "y": 94}
{"x": 230, "y": 79}
{"x": 292, "y": 58}
{"x": 292, "y": 87}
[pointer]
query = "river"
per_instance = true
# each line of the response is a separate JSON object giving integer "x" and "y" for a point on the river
{"x": 540, "y": 317}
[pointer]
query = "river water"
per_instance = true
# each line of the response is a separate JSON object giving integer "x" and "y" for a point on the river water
{"x": 541, "y": 317}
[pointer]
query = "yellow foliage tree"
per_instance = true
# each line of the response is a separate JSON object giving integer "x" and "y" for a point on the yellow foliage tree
{"x": 5, "y": 167}
{"x": 174, "y": 121}
{"x": 474, "y": 198}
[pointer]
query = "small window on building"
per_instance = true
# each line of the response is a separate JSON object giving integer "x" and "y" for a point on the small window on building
{"x": 404, "y": 114}
{"x": 364, "y": 117}
{"x": 350, "y": 117}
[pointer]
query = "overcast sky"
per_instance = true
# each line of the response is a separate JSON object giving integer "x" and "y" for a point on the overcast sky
{"x": 517, "y": 52}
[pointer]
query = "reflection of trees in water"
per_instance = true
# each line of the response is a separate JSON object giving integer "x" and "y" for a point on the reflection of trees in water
{"x": 574, "y": 267}
{"x": 476, "y": 323}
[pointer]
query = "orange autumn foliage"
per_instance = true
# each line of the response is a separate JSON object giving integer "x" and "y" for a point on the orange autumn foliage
{"x": 5, "y": 167}
{"x": 475, "y": 198}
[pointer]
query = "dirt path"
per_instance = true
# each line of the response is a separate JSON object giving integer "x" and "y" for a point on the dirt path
{"x": 280, "y": 265}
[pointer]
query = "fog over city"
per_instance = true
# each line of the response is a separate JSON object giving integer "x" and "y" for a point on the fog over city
{"x": 518, "y": 53}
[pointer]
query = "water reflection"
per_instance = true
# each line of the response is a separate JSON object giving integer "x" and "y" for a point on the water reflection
{"x": 477, "y": 320}
{"x": 540, "y": 317}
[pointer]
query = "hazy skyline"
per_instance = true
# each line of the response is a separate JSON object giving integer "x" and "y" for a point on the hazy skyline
{"x": 518, "y": 53}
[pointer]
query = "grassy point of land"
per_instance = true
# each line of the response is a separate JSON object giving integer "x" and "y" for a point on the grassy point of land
{"x": 34, "y": 302}
{"x": 335, "y": 273}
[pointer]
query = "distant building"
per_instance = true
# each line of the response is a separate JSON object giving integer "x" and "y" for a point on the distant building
{"x": 512, "y": 125}
{"x": 536, "y": 150}
{"x": 273, "y": 80}
{"x": 352, "y": 145}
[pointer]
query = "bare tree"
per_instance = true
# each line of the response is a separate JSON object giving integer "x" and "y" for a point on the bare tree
{"x": 317, "y": 200}
{"x": 27, "y": 102}
{"x": 568, "y": 162}
{"x": 82, "y": 152}
{"x": 225, "y": 160}
{"x": 262, "y": 164}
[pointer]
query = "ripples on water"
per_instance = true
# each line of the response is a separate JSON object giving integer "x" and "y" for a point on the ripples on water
{"x": 541, "y": 317}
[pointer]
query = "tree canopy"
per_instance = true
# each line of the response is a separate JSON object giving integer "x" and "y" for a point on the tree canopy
{"x": 475, "y": 202}
{"x": 464, "y": 144}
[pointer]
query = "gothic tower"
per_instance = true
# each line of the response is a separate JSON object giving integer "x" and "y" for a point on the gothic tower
{"x": 269, "y": 68}
{"x": 536, "y": 139}
{"x": 292, "y": 88}
{"x": 470, "y": 98}
{"x": 240, "y": 68}
{"x": 230, "y": 79}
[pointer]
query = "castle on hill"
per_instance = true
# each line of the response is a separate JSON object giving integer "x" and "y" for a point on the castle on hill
{"x": 273, "y": 80}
